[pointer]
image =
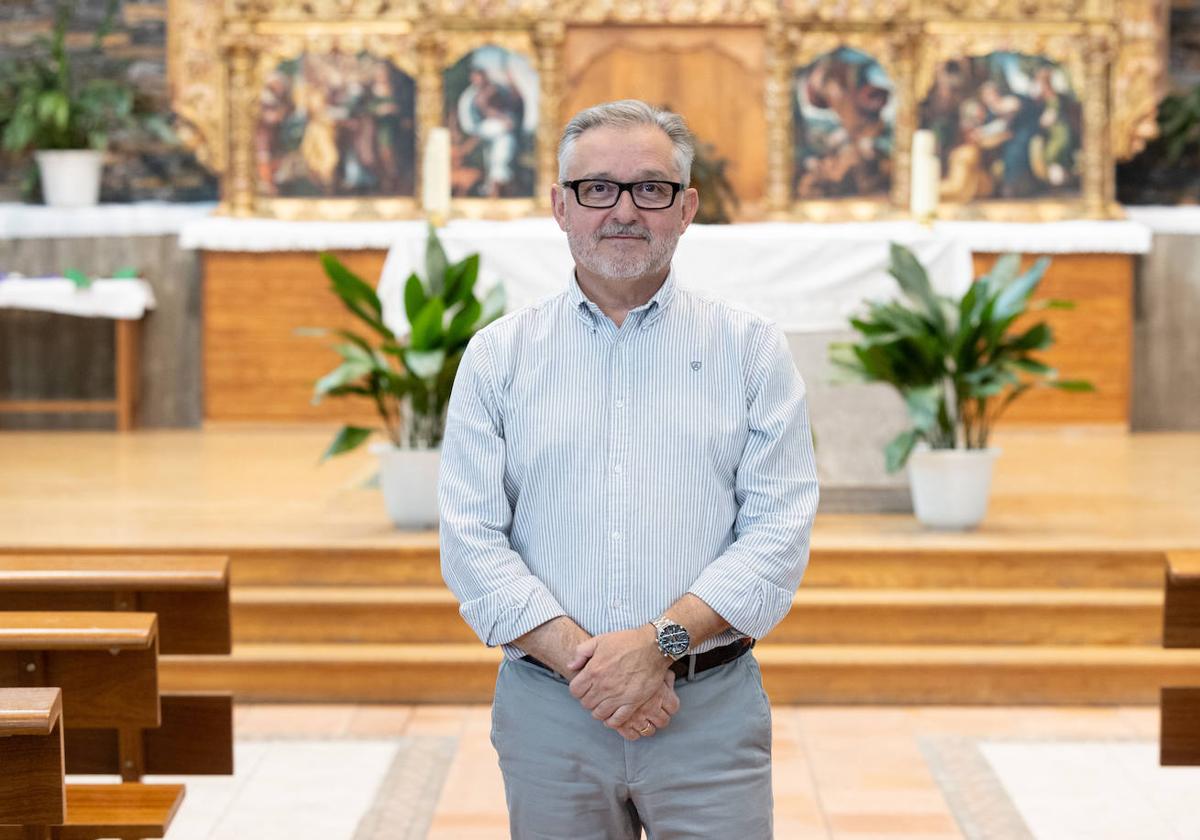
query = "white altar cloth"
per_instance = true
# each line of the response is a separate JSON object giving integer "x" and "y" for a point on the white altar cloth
{"x": 117, "y": 299}
{"x": 807, "y": 278}
{"x": 143, "y": 218}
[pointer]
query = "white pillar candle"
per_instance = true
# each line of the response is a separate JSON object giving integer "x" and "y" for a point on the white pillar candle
{"x": 435, "y": 175}
{"x": 926, "y": 176}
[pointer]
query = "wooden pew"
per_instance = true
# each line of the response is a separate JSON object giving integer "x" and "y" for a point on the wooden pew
{"x": 1179, "y": 742}
{"x": 105, "y": 663}
{"x": 190, "y": 595}
{"x": 31, "y": 757}
{"x": 34, "y": 802}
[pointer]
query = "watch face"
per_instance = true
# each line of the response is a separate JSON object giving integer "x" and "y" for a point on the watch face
{"x": 674, "y": 640}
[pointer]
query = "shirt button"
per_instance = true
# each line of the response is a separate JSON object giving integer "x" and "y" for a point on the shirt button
{"x": 620, "y": 403}
{"x": 617, "y": 469}
{"x": 616, "y": 535}
{"x": 616, "y": 602}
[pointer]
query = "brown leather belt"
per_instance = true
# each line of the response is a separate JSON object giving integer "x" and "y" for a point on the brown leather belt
{"x": 703, "y": 661}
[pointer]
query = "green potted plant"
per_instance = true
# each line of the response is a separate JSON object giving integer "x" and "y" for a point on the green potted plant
{"x": 408, "y": 376}
{"x": 66, "y": 121}
{"x": 958, "y": 365}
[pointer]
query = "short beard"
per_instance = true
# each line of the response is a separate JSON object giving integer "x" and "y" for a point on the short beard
{"x": 621, "y": 267}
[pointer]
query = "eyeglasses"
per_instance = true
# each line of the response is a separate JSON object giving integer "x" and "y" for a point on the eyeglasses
{"x": 646, "y": 195}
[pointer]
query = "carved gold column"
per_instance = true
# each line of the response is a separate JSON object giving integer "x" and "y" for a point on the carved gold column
{"x": 429, "y": 95}
{"x": 243, "y": 108}
{"x": 906, "y": 118}
{"x": 1098, "y": 167}
{"x": 548, "y": 39}
{"x": 777, "y": 93}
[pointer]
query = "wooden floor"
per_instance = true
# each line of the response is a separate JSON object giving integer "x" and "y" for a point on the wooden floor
{"x": 1057, "y": 598}
{"x": 246, "y": 489}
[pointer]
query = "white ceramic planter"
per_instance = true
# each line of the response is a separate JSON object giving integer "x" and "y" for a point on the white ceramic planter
{"x": 409, "y": 478}
{"x": 950, "y": 487}
{"x": 70, "y": 177}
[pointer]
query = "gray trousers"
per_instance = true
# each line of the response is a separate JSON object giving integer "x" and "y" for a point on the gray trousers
{"x": 566, "y": 775}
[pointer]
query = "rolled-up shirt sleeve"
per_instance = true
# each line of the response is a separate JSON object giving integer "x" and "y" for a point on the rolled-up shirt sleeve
{"x": 499, "y": 598}
{"x": 752, "y": 583}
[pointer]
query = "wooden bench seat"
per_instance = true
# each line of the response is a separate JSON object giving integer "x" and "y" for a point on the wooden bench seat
{"x": 1179, "y": 742}
{"x": 105, "y": 663}
{"x": 189, "y": 594}
{"x": 31, "y": 756}
{"x": 129, "y": 811}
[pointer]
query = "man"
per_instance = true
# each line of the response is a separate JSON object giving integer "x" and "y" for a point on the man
{"x": 627, "y": 492}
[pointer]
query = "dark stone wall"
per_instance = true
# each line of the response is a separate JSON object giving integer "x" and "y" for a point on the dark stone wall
{"x": 135, "y": 50}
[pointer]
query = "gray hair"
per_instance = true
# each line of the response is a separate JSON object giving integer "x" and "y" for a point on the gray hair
{"x": 629, "y": 113}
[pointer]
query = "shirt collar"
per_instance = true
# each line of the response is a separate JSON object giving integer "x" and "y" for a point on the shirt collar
{"x": 588, "y": 311}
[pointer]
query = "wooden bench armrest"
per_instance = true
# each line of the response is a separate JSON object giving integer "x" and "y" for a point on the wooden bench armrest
{"x": 54, "y": 571}
{"x": 29, "y": 711}
{"x": 77, "y": 630}
{"x": 1181, "y": 607}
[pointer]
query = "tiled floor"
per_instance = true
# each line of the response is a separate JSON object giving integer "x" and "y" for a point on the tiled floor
{"x": 844, "y": 773}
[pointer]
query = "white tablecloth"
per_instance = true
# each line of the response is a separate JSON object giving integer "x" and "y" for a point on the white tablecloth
{"x": 806, "y": 278}
{"x": 143, "y": 218}
{"x": 120, "y": 299}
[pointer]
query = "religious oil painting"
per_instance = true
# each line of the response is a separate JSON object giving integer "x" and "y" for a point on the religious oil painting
{"x": 336, "y": 124}
{"x": 491, "y": 109}
{"x": 1008, "y": 126}
{"x": 844, "y": 118}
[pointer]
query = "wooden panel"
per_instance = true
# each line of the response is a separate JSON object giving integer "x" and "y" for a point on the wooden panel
{"x": 31, "y": 779}
{"x": 1180, "y": 739}
{"x": 1093, "y": 341}
{"x": 195, "y": 738}
{"x": 100, "y": 688}
{"x": 255, "y": 367}
{"x": 697, "y": 72}
{"x": 1181, "y": 614}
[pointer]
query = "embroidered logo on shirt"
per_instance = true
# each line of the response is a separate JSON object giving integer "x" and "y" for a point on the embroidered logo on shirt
{"x": 695, "y": 366}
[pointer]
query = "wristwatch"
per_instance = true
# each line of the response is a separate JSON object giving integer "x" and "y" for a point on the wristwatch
{"x": 673, "y": 638}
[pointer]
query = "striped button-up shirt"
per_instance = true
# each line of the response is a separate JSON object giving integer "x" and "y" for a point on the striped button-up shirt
{"x": 600, "y": 472}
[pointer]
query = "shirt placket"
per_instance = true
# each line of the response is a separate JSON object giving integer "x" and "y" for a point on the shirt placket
{"x": 617, "y": 494}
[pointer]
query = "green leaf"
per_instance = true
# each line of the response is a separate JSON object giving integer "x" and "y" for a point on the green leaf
{"x": 896, "y": 453}
{"x": 435, "y": 264}
{"x": 1012, "y": 299}
{"x": 427, "y": 328}
{"x": 1034, "y": 366}
{"x": 350, "y": 437}
{"x": 1003, "y": 272}
{"x": 425, "y": 364}
{"x": 1080, "y": 386}
{"x": 126, "y": 272}
{"x": 909, "y": 272}
{"x": 343, "y": 374}
{"x": 1037, "y": 337}
{"x": 923, "y": 405}
{"x": 81, "y": 280}
{"x": 463, "y": 323}
{"x": 414, "y": 297}
{"x": 461, "y": 279}
{"x": 356, "y": 294}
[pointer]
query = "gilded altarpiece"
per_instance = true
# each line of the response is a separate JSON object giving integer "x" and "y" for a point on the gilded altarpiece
{"x": 1096, "y": 67}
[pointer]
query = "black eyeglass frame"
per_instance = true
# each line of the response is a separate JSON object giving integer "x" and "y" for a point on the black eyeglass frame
{"x": 626, "y": 186}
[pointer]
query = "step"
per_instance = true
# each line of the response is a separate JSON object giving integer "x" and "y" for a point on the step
{"x": 466, "y": 673}
{"x": 429, "y": 614}
{"x": 413, "y": 560}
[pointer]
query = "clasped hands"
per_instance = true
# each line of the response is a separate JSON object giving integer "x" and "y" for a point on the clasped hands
{"x": 625, "y": 682}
